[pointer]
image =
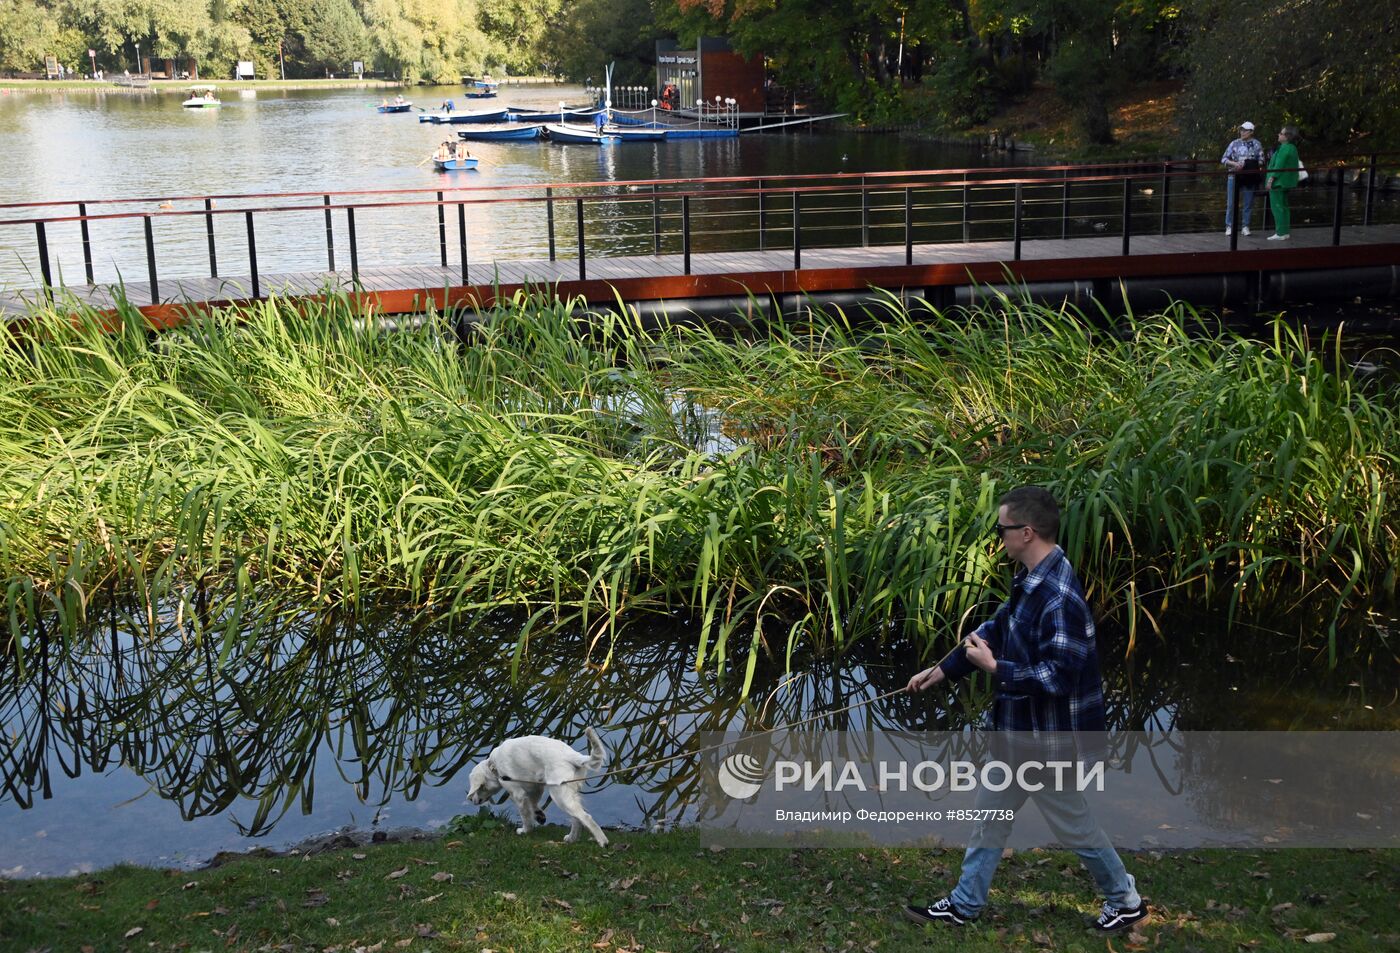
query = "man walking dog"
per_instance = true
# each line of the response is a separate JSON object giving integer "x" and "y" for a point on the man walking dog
{"x": 1039, "y": 649}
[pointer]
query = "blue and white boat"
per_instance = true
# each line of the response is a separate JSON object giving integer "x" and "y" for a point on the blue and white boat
{"x": 502, "y": 132}
{"x": 456, "y": 118}
{"x": 394, "y": 107}
{"x": 455, "y": 165}
{"x": 560, "y": 132}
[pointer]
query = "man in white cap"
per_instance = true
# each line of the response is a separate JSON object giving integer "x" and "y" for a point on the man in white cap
{"x": 1244, "y": 158}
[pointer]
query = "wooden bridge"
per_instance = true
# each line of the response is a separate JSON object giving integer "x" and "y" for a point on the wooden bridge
{"x": 1075, "y": 231}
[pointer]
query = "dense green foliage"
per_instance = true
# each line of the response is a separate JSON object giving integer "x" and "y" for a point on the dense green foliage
{"x": 806, "y": 486}
{"x": 1331, "y": 67}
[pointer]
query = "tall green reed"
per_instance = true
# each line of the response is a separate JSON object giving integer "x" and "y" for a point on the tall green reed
{"x": 807, "y": 484}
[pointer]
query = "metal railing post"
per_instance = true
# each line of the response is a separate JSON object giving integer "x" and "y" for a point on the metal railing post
{"x": 354, "y": 245}
{"x": 330, "y": 234}
{"x": 796, "y": 230}
{"x": 864, "y": 214}
{"x": 966, "y": 202}
{"x": 1064, "y": 207}
{"x": 1166, "y": 193}
{"x": 462, "y": 240}
{"x": 762, "y": 216}
{"x": 909, "y": 226}
{"x": 1234, "y": 213}
{"x": 549, "y": 212}
{"x": 1016, "y": 226}
{"x": 578, "y": 214}
{"x": 442, "y": 230}
{"x": 1127, "y": 213}
{"x": 252, "y": 253}
{"x": 685, "y": 232}
{"x": 1337, "y": 207}
{"x": 1370, "y": 189}
{"x": 44, "y": 270}
{"x": 209, "y": 234}
{"x": 151, "y": 259}
{"x": 87, "y": 244}
{"x": 655, "y": 221}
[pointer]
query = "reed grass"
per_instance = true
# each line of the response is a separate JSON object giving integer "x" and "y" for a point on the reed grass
{"x": 804, "y": 485}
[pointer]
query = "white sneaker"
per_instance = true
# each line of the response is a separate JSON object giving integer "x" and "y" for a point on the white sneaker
{"x": 1278, "y": 238}
{"x": 1228, "y": 230}
{"x": 1245, "y": 230}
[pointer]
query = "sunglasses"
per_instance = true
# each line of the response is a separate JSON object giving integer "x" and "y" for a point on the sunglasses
{"x": 998, "y": 528}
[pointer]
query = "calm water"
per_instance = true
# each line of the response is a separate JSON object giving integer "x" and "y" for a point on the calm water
{"x": 135, "y": 746}
{"x": 90, "y": 145}
{"x": 114, "y": 143}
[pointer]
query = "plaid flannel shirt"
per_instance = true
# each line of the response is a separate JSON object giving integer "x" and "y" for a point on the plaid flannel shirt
{"x": 1047, "y": 675}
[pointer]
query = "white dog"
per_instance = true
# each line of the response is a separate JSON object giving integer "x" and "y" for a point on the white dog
{"x": 527, "y": 767}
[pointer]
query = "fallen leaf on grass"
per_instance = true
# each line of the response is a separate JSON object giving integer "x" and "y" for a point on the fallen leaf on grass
{"x": 152, "y": 904}
{"x": 395, "y": 875}
{"x": 604, "y": 941}
{"x": 1279, "y": 908}
{"x": 436, "y": 896}
{"x": 443, "y": 876}
{"x": 561, "y": 904}
{"x": 624, "y": 883}
{"x": 507, "y": 896}
{"x": 315, "y": 897}
{"x": 404, "y": 944}
{"x": 332, "y": 922}
{"x": 132, "y": 932}
{"x": 359, "y": 856}
{"x": 1319, "y": 938}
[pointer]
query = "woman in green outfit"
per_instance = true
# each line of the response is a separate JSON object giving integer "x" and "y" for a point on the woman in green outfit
{"x": 1283, "y": 176}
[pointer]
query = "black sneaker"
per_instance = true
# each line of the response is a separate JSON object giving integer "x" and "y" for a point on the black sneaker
{"x": 1116, "y": 919}
{"x": 940, "y": 911}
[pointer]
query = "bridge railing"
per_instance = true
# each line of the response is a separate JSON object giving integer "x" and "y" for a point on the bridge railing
{"x": 349, "y": 235}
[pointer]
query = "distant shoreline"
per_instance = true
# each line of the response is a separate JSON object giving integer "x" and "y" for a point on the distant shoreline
{"x": 181, "y": 85}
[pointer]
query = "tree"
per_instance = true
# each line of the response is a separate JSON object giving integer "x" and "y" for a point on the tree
{"x": 1331, "y": 67}
{"x": 339, "y": 37}
{"x": 27, "y": 33}
{"x": 606, "y": 31}
{"x": 523, "y": 32}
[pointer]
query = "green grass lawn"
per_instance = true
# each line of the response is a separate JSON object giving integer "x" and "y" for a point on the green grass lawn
{"x": 493, "y": 890}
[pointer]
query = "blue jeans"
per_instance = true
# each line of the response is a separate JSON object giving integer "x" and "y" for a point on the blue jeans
{"x": 1246, "y": 202}
{"x": 1069, "y": 817}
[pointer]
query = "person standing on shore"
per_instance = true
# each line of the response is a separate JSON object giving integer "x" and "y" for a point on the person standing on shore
{"x": 1243, "y": 157}
{"x": 1040, "y": 650}
{"x": 1283, "y": 178}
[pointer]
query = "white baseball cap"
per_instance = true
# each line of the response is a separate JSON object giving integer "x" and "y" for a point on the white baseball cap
{"x": 1247, "y": 125}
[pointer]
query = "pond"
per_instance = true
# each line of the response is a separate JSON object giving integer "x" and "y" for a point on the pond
{"x": 136, "y": 746}
{"x": 109, "y": 143}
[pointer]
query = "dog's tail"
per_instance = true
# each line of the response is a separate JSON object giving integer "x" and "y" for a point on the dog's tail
{"x": 598, "y": 755}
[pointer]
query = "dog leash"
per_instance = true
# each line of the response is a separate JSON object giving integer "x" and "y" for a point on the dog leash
{"x": 767, "y": 731}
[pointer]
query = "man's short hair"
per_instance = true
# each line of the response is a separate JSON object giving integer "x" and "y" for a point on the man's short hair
{"x": 1036, "y": 507}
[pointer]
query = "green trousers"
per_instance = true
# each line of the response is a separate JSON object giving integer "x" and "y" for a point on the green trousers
{"x": 1278, "y": 204}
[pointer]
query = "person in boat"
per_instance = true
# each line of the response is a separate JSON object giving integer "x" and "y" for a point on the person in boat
{"x": 447, "y": 105}
{"x": 462, "y": 152}
{"x": 398, "y": 100}
{"x": 383, "y": 102}
{"x": 599, "y": 121}
{"x": 444, "y": 152}
{"x": 1039, "y": 648}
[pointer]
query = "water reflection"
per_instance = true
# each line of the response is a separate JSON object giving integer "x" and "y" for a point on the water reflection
{"x": 133, "y": 743}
